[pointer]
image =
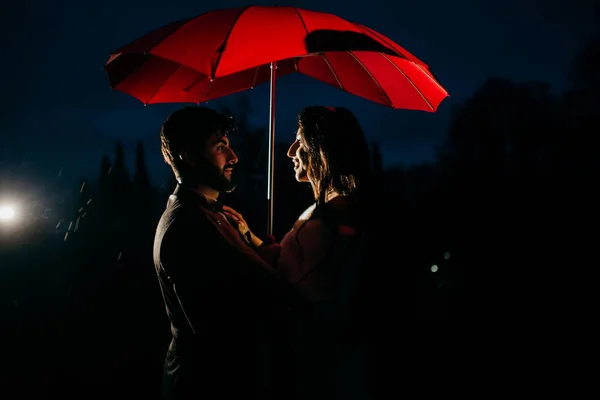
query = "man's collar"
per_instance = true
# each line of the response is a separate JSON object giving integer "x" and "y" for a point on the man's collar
{"x": 217, "y": 206}
{"x": 211, "y": 204}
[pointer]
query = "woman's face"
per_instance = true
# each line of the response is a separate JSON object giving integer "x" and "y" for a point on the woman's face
{"x": 294, "y": 152}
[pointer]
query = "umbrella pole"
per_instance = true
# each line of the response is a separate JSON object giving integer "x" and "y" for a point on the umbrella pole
{"x": 271, "y": 168}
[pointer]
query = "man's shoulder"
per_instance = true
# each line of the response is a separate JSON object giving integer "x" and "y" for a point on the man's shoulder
{"x": 180, "y": 215}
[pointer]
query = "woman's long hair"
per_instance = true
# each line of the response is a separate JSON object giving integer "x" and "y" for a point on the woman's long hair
{"x": 337, "y": 157}
{"x": 336, "y": 152}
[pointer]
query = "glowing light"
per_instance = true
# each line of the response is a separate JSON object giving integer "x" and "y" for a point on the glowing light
{"x": 434, "y": 268}
{"x": 7, "y": 213}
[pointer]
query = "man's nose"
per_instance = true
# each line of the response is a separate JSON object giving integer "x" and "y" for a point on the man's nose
{"x": 232, "y": 159}
{"x": 292, "y": 150}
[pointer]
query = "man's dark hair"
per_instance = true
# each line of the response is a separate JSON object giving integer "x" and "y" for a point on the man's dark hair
{"x": 187, "y": 129}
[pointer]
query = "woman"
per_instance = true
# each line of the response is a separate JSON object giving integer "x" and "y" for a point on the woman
{"x": 324, "y": 252}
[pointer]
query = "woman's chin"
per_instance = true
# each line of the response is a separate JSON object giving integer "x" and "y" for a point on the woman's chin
{"x": 301, "y": 176}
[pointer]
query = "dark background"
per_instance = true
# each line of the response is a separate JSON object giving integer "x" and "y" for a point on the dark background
{"x": 496, "y": 190}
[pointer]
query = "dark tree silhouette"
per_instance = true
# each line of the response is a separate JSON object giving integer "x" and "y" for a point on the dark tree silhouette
{"x": 103, "y": 195}
{"x": 144, "y": 196}
{"x": 376, "y": 159}
{"x": 582, "y": 103}
{"x": 141, "y": 177}
{"x": 501, "y": 216}
{"x": 120, "y": 173}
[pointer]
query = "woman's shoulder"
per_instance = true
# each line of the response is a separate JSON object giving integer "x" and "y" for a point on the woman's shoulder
{"x": 344, "y": 211}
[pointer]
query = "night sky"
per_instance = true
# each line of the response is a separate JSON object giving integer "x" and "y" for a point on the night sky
{"x": 57, "y": 110}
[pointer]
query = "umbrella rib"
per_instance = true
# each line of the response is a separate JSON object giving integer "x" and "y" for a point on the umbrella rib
{"x": 133, "y": 71}
{"x": 410, "y": 80}
{"x": 301, "y": 19}
{"x": 295, "y": 60}
{"x": 431, "y": 77}
{"x": 183, "y": 23}
{"x": 255, "y": 77}
{"x": 373, "y": 78}
{"x": 378, "y": 35}
{"x": 222, "y": 47}
{"x": 149, "y": 49}
{"x": 162, "y": 84}
{"x": 335, "y": 75}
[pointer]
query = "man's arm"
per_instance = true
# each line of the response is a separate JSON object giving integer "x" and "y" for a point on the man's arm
{"x": 205, "y": 268}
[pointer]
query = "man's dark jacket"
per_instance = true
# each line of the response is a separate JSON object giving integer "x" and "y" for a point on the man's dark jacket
{"x": 224, "y": 304}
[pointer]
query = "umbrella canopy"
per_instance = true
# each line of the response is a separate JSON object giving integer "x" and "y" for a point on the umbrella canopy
{"x": 226, "y": 51}
{"x": 221, "y": 42}
{"x": 388, "y": 80}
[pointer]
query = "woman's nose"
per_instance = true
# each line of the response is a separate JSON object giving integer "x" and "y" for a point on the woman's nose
{"x": 292, "y": 150}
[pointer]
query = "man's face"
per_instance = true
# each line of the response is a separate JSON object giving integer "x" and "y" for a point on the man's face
{"x": 295, "y": 152}
{"x": 214, "y": 166}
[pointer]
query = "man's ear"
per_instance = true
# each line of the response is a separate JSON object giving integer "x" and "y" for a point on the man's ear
{"x": 187, "y": 158}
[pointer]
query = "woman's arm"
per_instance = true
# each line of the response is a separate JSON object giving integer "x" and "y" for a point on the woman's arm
{"x": 268, "y": 249}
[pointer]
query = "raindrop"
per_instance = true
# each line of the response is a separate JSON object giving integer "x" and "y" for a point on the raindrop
{"x": 57, "y": 225}
{"x": 89, "y": 201}
{"x": 70, "y": 226}
{"x": 60, "y": 172}
{"x": 83, "y": 215}
{"x": 446, "y": 255}
{"x": 109, "y": 169}
{"x": 82, "y": 186}
{"x": 434, "y": 268}
{"x": 66, "y": 236}
{"x": 119, "y": 257}
{"x": 80, "y": 209}
{"x": 76, "y": 225}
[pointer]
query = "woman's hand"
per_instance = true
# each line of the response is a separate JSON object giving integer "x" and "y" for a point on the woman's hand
{"x": 242, "y": 226}
{"x": 237, "y": 219}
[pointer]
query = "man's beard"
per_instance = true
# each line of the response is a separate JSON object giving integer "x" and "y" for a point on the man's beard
{"x": 212, "y": 176}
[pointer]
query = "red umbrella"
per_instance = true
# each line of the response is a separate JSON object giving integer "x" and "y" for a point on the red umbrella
{"x": 227, "y": 51}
